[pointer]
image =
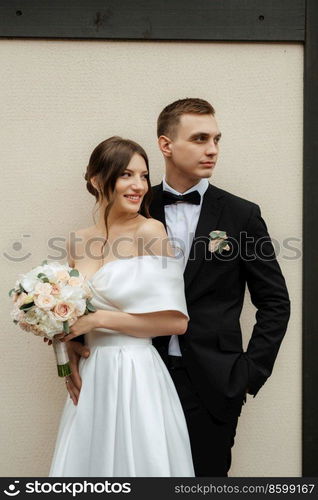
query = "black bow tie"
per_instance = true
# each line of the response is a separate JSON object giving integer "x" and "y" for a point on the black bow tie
{"x": 170, "y": 198}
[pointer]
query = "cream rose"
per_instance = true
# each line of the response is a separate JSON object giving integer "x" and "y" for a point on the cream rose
{"x": 63, "y": 311}
{"x": 45, "y": 301}
{"x": 17, "y": 314}
{"x": 62, "y": 276}
{"x": 43, "y": 289}
{"x": 20, "y": 299}
{"x": 214, "y": 245}
{"x": 75, "y": 281}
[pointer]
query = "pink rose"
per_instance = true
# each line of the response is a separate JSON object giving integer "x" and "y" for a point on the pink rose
{"x": 63, "y": 311}
{"x": 25, "y": 326}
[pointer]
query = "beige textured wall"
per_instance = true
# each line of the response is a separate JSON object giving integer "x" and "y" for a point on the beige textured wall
{"x": 58, "y": 100}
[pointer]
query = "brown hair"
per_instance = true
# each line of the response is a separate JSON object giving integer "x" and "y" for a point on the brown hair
{"x": 108, "y": 161}
{"x": 169, "y": 117}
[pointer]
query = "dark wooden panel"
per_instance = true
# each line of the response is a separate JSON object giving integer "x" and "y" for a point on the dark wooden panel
{"x": 240, "y": 20}
{"x": 310, "y": 235}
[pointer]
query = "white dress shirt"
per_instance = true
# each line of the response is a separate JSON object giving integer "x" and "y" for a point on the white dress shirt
{"x": 182, "y": 219}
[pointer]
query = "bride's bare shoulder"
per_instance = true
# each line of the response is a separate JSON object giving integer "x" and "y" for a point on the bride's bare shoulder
{"x": 151, "y": 227}
{"x": 155, "y": 238}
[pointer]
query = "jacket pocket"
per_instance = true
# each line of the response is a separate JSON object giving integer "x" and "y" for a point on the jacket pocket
{"x": 230, "y": 340}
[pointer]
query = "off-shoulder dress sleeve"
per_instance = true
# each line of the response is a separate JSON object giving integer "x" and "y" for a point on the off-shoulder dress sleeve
{"x": 144, "y": 284}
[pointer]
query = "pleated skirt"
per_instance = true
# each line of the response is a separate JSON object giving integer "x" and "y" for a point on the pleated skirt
{"x": 128, "y": 421}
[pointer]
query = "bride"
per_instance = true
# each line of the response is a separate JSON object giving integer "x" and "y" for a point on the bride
{"x": 128, "y": 420}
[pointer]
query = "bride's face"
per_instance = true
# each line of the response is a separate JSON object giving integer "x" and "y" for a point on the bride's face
{"x": 132, "y": 185}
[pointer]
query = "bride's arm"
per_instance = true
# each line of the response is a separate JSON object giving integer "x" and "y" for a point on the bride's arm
{"x": 143, "y": 325}
{"x": 136, "y": 325}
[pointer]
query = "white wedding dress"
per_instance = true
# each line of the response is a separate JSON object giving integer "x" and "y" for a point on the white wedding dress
{"x": 129, "y": 420}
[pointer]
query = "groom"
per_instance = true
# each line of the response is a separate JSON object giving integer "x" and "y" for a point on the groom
{"x": 211, "y": 372}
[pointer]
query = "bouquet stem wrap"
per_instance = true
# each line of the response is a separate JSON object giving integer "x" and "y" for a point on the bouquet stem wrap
{"x": 62, "y": 359}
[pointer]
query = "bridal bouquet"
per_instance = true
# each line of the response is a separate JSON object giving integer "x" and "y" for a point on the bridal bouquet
{"x": 48, "y": 300}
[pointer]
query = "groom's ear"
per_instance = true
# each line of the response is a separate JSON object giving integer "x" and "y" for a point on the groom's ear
{"x": 165, "y": 145}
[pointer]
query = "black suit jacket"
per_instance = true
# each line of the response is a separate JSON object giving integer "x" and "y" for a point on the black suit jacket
{"x": 214, "y": 287}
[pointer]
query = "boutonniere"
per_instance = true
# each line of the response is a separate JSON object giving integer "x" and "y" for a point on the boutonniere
{"x": 218, "y": 241}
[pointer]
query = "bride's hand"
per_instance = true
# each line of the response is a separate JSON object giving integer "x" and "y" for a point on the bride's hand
{"x": 84, "y": 324}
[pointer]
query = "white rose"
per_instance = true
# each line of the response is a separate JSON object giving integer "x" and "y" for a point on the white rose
{"x": 52, "y": 326}
{"x": 52, "y": 268}
{"x": 29, "y": 283}
{"x": 87, "y": 290}
{"x": 80, "y": 307}
{"x": 31, "y": 317}
{"x": 72, "y": 293}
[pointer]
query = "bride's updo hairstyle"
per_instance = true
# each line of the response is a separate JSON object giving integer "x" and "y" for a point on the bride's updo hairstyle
{"x": 107, "y": 162}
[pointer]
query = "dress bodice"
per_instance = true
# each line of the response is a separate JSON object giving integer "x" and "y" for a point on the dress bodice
{"x": 137, "y": 285}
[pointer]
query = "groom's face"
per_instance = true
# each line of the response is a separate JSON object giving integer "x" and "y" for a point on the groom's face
{"x": 195, "y": 146}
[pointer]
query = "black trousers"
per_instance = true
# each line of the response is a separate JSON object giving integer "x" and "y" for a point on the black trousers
{"x": 211, "y": 440}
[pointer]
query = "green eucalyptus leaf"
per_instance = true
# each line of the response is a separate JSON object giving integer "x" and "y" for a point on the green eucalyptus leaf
{"x": 66, "y": 328}
{"x": 74, "y": 272}
{"x": 11, "y": 291}
{"x": 26, "y": 306}
{"x": 214, "y": 235}
{"x": 90, "y": 306}
{"x": 222, "y": 245}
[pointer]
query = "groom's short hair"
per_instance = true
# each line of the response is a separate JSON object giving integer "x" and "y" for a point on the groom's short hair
{"x": 169, "y": 117}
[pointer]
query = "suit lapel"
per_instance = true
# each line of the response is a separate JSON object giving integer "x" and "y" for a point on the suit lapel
{"x": 208, "y": 221}
{"x": 157, "y": 208}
